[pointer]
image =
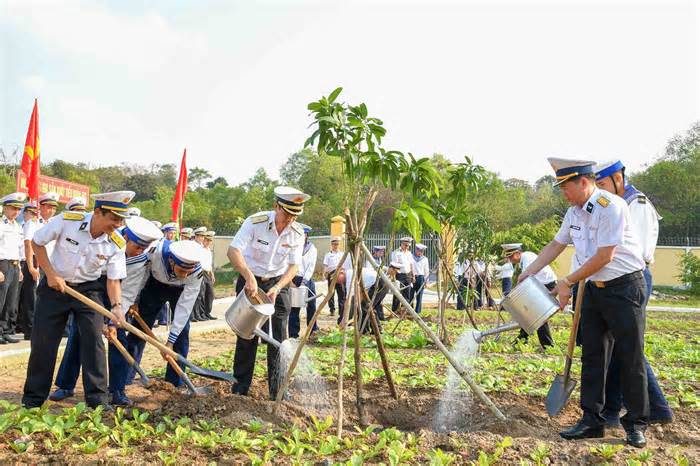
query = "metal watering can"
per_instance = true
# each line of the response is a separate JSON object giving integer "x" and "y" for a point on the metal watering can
{"x": 246, "y": 318}
{"x": 530, "y": 304}
{"x": 299, "y": 296}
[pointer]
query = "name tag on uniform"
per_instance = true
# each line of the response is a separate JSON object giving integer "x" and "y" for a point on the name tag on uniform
{"x": 72, "y": 241}
{"x": 575, "y": 227}
{"x": 263, "y": 242}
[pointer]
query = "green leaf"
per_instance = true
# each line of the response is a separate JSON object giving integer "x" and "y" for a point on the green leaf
{"x": 334, "y": 94}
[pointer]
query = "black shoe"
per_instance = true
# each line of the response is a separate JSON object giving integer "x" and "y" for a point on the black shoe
{"x": 2, "y": 340}
{"x": 106, "y": 407}
{"x": 10, "y": 339}
{"x": 210, "y": 317}
{"x": 237, "y": 390}
{"x": 582, "y": 430}
{"x": 636, "y": 439}
{"x": 27, "y": 337}
{"x": 195, "y": 319}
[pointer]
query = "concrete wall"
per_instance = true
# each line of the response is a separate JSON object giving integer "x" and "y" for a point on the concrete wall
{"x": 664, "y": 269}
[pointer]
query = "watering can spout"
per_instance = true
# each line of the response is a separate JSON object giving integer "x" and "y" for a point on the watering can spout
{"x": 267, "y": 338}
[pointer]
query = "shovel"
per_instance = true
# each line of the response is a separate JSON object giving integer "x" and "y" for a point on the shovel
{"x": 130, "y": 360}
{"x": 176, "y": 367}
{"x": 563, "y": 385}
{"x": 216, "y": 375}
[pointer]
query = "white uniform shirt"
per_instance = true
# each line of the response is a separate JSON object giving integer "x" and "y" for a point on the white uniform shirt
{"x": 266, "y": 253}
{"x": 544, "y": 276}
{"x": 422, "y": 266}
{"x": 405, "y": 258}
{"x": 208, "y": 261}
{"x": 31, "y": 227}
{"x": 77, "y": 256}
{"x": 331, "y": 259}
{"x": 190, "y": 284}
{"x": 645, "y": 223}
{"x": 138, "y": 269}
{"x": 504, "y": 271}
{"x": 460, "y": 268}
{"x": 603, "y": 221}
{"x": 11, "y": 239}
{"x": 308, "y": 261}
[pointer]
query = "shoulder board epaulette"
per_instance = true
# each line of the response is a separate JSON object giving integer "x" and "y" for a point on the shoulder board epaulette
{"x": 117, "y": 239}
{"x": 201, "y": 274}
{"x": 296, "y": 226}
{"x": 603, "y": 201}
{"x": 74, "y": 216}
{"x": 259, "y": 218}
{"x": 642, "y": 199}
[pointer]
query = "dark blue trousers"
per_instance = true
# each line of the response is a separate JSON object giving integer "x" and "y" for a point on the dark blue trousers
{"x": 418, "y": 288}
{"x": 69, "y": 370}
{"x": 658, "y": 406}
{"x": 294, "y": 322}
{"x": 118, "y": 365}
{"x": 506, "y": 285}
{"x": 154, "y": 295}
{"x": 461, "y": 290}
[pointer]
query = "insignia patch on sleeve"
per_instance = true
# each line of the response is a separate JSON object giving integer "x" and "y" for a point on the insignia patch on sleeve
{"x": 117, "y": 239}
{"x": 589, "y": 207}
{"x": 259, "y": 218}
{"x": 603, "y": 201}
{"x": 74, "y": 216}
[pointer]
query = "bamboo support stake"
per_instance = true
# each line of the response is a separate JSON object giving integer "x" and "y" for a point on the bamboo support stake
{"x": 461, "y": 370}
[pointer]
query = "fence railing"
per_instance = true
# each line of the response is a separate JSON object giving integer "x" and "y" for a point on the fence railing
{"x": 682, "y": 241}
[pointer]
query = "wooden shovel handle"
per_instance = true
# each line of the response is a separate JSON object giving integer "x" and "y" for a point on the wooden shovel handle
{"x": 126, "y": 325}
{"x": 135, "y": 314}
{"x": 118, "y": 344}
{"x": 574, "y": 327}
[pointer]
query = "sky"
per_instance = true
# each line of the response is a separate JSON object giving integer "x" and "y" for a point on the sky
{"x": 508, "y": 83}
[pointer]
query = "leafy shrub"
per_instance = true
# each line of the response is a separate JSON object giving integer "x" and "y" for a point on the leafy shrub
{"x": 690, "y": 271}
{"x": 534, "y": 237}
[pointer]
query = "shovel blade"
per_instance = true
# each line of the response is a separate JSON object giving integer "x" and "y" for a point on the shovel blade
{"x": 208, "y": 373}
{"x": 558, "y": 395}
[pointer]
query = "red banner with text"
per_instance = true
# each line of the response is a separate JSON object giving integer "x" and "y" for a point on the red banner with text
{"x": 65, "y": 189}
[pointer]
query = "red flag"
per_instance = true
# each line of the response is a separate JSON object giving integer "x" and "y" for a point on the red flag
{"x": 30, "y": 159}
{"x": 181, "y": 188}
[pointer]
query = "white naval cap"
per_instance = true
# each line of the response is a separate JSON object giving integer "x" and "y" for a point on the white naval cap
{"x": 395, "y": 265}
{"x": 187, "y": 253}
{"x": 511, "y": 248}
{"x": 157, "y": 223}
{"x": 134, "y": 212}
{"x": 29, "y": 207}
{"x": 49, "y": 199}
{"x": 421, "y": 246}
{"x": 378, "y": 248}
{"x": 141, "y": 231}
{"x": 200, "y": 231}
{"x": 210, "y": 233}
{"x": 565, "y": 169}
{"x": 187, "y": 231}
{"x": 406, "y": 239}
{"x": 14, "y": 200}
{"x": 170, "y": 226}
{"x": 291, "y": 200}
{"x": 603, "y": 170}
{"x": 116, "y": 202}
{"x": 336, "y": 239}
{"x": 76, "y": 203}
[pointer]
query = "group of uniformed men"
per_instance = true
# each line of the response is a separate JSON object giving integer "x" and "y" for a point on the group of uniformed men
{"x": 612, "y": 226}
{"x": 410, "y": 270}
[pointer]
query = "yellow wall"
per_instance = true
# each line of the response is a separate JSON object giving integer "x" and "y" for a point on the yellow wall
{"x": 664, "y": 269}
